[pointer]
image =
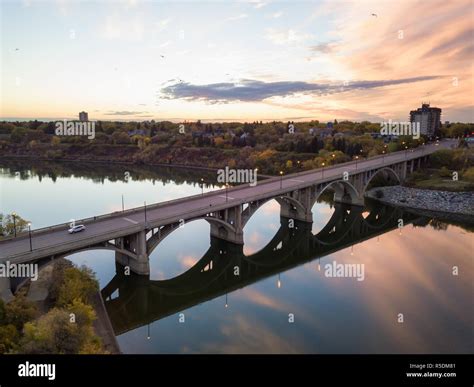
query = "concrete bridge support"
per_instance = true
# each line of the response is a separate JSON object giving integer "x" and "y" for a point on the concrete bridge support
{"x": 230, "y": 227}
{"x": 5, "y": 289}
{"x": 137, "y": 261}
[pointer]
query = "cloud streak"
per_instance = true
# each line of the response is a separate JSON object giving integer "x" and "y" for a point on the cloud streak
{"x": 249, "y": 90}
{"x": 123, "y": 113}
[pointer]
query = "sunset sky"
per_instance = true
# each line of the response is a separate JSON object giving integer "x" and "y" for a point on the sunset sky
{"x": 236, "y": 61}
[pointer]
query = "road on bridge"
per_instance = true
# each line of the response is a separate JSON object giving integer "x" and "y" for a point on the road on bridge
{"x": 206, "y": 203}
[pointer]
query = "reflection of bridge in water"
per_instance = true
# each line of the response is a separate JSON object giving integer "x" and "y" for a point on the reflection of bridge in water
{"x": 141, "y": 301}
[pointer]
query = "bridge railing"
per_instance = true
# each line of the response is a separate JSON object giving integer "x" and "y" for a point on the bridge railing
{"x": 105, "y": 236}
{"x": 110, "y": 215}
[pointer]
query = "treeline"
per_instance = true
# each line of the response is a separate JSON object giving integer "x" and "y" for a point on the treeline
{"x": 292, "y": 146}
{"x": 66, "y": 328}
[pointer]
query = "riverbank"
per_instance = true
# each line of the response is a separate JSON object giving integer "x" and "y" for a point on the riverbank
{"x": 40, "y": 293}
{"x": 103, "y": 327}
{"x": 457, "y": 206}
{"x": 82, "y": 161}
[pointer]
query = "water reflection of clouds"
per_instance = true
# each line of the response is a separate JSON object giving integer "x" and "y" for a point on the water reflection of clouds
{"x": 405, "y": 276}
{"x": 322, "y": 213}
{"x": 245, "y": 334}
{"x": 187, "y": 261}
{"x": 271, "y": 208}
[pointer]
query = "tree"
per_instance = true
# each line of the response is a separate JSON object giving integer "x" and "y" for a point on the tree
{"x": 53, "y": 333}
{"x": 17, "y": 135}
{"x": 79, "y": 284}
{"x": 57, "y": 278}
{"x": 9, "y": 338}
{"x": 10, "y": 222}
{"x": 20, "y": 310}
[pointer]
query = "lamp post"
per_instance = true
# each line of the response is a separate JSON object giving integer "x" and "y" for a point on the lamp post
{"x": 226, "y": 187}
{"x": 357, "y": 158}
{"x": 323, "y": 171}
{"x": 383, "y": 157}
{"x": 202, "y": 186}
{"x": 281, "y": 179}
{"x": 14, "y": 222}
{"x": 145, "y": 213}
{"x": 406, "y": 151}
{"x": 29, "y": 232}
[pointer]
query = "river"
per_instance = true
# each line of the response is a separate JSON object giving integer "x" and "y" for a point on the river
{"x": 412, "y": 292}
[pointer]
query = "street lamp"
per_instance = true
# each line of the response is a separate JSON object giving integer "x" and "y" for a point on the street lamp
{"x": 202, "y": 186}
{"x": 29, "y": 232}
{"x": 281, "y": 179}
{"x": 145, "y": 212}
{"x": 323, "y": 171}
{"x": 383, "y": 157}
{"x": 14, "y": 222}
{"x": 357, "y": 158}
{"x": 406, "y": 151}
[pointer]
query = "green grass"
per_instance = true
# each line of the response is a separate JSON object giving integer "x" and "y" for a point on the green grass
{"x": 441, "y": 183}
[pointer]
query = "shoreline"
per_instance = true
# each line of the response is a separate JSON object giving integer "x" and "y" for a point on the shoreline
{"x": 118, "y": 162}
{"x": 103, "y": 326}
{"x": 456, "y": 206}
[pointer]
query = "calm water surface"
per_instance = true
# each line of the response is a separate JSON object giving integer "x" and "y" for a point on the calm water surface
{"x": 407, "y": 273}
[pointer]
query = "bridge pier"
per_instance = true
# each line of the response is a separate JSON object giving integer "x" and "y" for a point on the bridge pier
{"x": 230, "y": 228}
{"x": 5, "y": 289}
{"x": 138, "y": 261}
{"x": 288, "y": 210}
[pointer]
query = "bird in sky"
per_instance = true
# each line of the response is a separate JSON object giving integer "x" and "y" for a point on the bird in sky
{"x": 17, "y": 49}
{"x": 162, "y": 56}
{"x": 374, "y": 14}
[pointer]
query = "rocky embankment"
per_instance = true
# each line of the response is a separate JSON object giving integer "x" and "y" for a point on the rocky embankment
{"x": 458, "y": 205}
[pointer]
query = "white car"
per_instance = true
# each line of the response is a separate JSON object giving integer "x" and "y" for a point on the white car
{"x": 76, "y": 228}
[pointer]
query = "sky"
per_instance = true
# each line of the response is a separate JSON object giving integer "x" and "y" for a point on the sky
{"x": 236, "y": 60}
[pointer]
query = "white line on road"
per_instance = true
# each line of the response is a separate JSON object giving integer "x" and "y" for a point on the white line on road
{"x": 227, "y": 197}
{"x": 299, "y": 181}
{"x": 130, "y": 220}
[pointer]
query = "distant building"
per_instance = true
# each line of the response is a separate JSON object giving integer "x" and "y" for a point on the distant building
{"x": 322, "y": 133}
{"x": 429, "y": 119}
{"x": 83, "y": 116}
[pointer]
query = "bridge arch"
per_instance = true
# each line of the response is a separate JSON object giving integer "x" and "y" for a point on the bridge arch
{"x": 106, "y": 246}
{"x": 344, "y": 191}
{"x": 387, "y": 173}
{"x": 223, "y": 229}
{"x": 287, "y": 204}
